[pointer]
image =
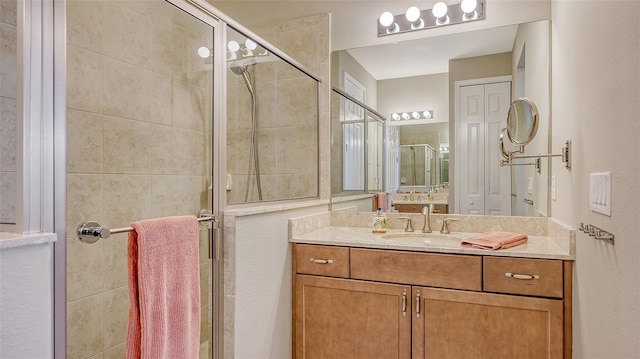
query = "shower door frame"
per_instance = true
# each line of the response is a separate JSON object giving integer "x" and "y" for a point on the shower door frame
{"x": 54, "y": 69}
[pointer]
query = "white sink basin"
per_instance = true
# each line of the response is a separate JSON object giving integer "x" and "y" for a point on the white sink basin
{"x": 428, "y": 239}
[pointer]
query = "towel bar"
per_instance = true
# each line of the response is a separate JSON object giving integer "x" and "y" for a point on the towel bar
{"x": 90, "y": 232}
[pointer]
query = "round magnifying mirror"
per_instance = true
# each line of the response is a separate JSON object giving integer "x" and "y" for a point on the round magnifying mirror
{"x": 522, "y": 121}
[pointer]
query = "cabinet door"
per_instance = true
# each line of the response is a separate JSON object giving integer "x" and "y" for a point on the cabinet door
{"x": 341, "y": 318}
{"x": 459, "y": 324}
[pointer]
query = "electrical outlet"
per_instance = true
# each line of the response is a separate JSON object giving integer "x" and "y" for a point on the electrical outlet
{"x": 600, "y": 193}
{"x": 553, "y": 188}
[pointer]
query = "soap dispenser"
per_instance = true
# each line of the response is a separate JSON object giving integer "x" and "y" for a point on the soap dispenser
{"x": 379, "y": 223}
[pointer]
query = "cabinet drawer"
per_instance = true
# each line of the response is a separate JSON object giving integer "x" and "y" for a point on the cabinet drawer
{"x": 539, "y": 277}
{"x": 322, "y": 260}
{"x": 433, "y": 270}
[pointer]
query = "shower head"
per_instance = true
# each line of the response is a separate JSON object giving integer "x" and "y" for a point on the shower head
{"x": 239, "y": 70}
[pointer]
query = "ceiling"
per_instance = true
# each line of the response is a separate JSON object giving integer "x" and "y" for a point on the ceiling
{"x": 431, "y": 55}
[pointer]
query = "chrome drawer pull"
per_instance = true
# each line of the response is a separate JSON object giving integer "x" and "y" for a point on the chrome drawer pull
{"x": 321, "y": 261}
{"x": 522, "y": 276}
{"x": 404, "y": 302}
{"x": 418, "y": 304}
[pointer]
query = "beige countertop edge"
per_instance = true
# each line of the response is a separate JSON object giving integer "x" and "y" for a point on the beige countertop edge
{"x": 540, "y": 247}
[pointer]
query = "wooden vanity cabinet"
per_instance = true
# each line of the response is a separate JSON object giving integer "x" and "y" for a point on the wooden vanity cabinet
{"x": 417, "y": 208}
{"x": 401, "y": 304}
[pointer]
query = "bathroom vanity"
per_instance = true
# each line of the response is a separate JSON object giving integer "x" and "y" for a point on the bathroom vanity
{"x": 414, "y": 295}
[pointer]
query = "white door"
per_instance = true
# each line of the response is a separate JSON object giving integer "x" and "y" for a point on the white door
{"x": 485, "y": 187}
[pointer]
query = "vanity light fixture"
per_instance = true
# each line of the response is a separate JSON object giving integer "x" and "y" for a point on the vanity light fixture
{"x": 441, "y": 14}
{"x": 412, "y": 115}
{"x": 387, "y": 22}
{"x": 413, "y": 16}
{"x": 439, "y": 11}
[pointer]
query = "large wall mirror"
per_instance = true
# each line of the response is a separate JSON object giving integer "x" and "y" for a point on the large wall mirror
{"x": 467, "y": 80}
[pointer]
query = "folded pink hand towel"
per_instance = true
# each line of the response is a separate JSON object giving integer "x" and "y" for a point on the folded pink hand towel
{"x": 496, "y": 240}
{"x": 382, "y": 201}
{"x": 164, "y": 289}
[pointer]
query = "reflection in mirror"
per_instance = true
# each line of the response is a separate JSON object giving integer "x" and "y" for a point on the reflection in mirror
{"x": 357, "y": 151}
{"x": 518, "y": 53}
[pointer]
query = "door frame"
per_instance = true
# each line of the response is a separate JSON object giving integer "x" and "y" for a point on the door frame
{"x": 453, "y": 156}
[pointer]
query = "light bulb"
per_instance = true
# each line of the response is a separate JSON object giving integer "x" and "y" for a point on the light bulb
{"x": 405, "y": 116}
{"x": 395, "y": 116}
{"x": 426, "y": 114}
{"x": 412, "y": 14}
{"x": 386, "y": 19}
{"x": 233, "y": 46}
{"x": 250, "y": 44}
{"x": 415, "y": 115}
{"x": 468, "y": 6}
{"x": 439, "y": 10}
{"x": 204, "y": 52}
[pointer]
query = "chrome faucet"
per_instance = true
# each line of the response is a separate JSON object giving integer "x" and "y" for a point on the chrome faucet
{"x": 445, "y": 225}
{"x": 409, "y": 226}
{"x": 426, "y": 212}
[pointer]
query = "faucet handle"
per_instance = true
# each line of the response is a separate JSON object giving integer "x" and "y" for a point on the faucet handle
{"x": 409, "y": 226}
{"x": 445, "y": 225}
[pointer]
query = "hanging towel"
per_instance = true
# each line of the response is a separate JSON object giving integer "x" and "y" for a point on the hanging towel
{"x": 382, "y": 201}
{"x": 496, "y": 240}
{"x": 164, "y": 289}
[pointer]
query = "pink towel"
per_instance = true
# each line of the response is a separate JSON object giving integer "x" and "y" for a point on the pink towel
{"x": 164, "y": 289}
{"x": 496, "y": 240}
{"x": 382, "y": 201}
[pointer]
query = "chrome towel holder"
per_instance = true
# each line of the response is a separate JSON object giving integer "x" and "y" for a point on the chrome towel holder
{"x": 90, "y": 232}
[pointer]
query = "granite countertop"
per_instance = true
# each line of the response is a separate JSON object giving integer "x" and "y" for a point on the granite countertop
{"x": 537, "y": 246}
{"x": 12, "y": 240}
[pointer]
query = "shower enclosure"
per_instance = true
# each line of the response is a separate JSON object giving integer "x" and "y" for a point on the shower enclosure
{"x": 168, "y": 107}
{"x": 272, "y": 126}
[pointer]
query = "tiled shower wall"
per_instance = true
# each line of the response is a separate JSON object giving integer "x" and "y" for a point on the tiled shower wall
{"x": 8, "y": 110}
{"x": 139, "y": 140}
{"x": 287, "y": 102}
{"x": 306, "y": 40}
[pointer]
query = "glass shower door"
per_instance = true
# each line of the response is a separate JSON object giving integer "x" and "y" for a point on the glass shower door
{"x": 139, "y": 117}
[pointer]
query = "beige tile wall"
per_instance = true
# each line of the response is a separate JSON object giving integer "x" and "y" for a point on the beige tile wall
{"x": 139, "y": 123}
{"x": 287, "y": 100}
{"x": 8, "y": 110}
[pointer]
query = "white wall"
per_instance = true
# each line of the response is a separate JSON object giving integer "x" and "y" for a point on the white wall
{"x": 595, "y": 96}
{"x": 26, "y": 305}
{"x": 429, "y": 92}
{"x": 261, "y": 293}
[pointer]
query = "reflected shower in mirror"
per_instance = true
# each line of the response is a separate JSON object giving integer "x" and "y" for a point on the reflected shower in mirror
{"x": 445, "y": 69}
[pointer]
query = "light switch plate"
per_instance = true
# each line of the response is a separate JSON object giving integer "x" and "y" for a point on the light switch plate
{"x": 600, "y": 193}
{"x": 530, "y": 185}
{"x": 553, "y": 188}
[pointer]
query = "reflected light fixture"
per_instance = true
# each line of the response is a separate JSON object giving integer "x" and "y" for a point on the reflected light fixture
{"x": 441, "y": 14}
{"x": 412, "y": 115}
{"x": 204, "y": 52}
